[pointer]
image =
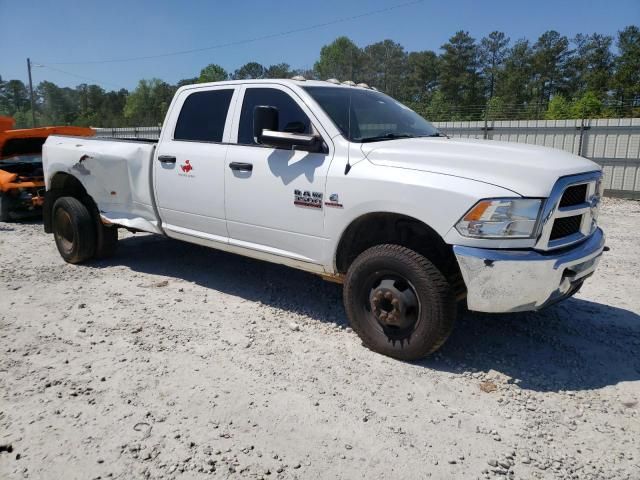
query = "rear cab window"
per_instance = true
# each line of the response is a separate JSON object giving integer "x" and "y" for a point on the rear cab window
{"x": 203, "y": 116}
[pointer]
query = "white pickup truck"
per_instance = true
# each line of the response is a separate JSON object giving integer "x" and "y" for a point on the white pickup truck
{"x": 345, "y": 182}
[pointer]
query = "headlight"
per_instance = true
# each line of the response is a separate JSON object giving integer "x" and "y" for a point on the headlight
{"x": 501, "y": 218}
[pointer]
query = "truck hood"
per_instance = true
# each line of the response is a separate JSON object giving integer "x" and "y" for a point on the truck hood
{"x": 528, "y": 170}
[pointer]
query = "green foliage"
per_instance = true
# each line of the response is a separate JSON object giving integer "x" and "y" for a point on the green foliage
{"x": 421, "y": 77}
{"x": 493, "y": 53}
{"x": 626, "y": 81}
{"x": 559, "y": 108}
{"x": 459, "y": 77}
{"x": 280, "y": 70}
{"x": 587, "y": 106}
{"x": 212, "y": 73}
{"x": 384, "y": 65}
{"x": 494, "y": 78}
{"x": 341, "y": 59}
{"x": 148, "y": 103}
{"x": 249, "y": 71}
{"x": 496, "y": 109}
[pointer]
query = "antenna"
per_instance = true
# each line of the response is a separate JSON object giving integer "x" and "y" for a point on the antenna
{"x": 347, "y": 167}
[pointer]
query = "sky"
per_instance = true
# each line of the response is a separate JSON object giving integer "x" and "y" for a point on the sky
{"x": 60, "y": 33}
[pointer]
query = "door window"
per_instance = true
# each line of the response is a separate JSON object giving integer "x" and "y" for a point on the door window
{"x": 291, "y": 118}
{"x": 203, "y": 116}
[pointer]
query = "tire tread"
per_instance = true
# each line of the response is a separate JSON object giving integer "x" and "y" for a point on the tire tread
{"x": 443, "y": 309}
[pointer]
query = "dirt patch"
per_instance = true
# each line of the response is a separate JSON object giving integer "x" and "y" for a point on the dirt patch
{"x": 175, "y": 361}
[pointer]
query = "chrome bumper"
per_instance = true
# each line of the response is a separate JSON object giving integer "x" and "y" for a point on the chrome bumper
{"x": 520, "y": 280}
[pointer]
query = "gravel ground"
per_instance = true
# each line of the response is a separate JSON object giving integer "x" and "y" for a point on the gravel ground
{"x": 175, "y": 361}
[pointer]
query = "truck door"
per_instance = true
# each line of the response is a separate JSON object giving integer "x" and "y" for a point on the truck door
{"x": 274, "y": 197}
{"x": 190, "y": 164}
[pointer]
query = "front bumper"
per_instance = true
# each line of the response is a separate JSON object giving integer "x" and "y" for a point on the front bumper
{"x": 520, "y": 280}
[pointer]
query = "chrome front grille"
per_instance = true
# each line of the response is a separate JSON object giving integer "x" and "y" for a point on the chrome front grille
{"x": 570, "y": 213}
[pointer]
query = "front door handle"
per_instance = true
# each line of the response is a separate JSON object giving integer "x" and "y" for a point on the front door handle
{"x": 167, "y": 159}
{"x": 241, "y": 167}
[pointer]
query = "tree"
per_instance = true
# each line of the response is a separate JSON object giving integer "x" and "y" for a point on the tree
{"x": 14, "y": 97}
{"x": 587, "y": 106}
{"x": 341, "y": 59}
{"x": 212, "y": 73}
{"x": 559, "y": 108}
{"x": 493, "y": 52}
{"x": 148, "y": 103}
{"x": 438, "y": 109}
{"x": 626, "y": 81}
{"x": 459, "y": 79}
{"x": 280, "y": 70}
{"x": 187, "y": 81}
{"x": 384, "y": 66}
{"x": 58, "y": 106}
{"x": 550, "y": 54}
{"x": 421, "y": 77}
{"x": 591, "y": 65}
{"x": 497, "y": 109}
{"x": 249, "y": 71}
{"x": 513, "y": 84}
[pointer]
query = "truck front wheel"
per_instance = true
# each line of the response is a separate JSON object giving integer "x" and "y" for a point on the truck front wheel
{"x": 398, "y": 302}
{"x": 73, "y": 229}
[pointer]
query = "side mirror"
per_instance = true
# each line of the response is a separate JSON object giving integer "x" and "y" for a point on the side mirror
{"x": 264, "y": 118}
{"x": 265, "y": 132}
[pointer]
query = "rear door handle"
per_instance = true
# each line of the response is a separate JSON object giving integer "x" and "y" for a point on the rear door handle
{"x": 241, "y": 167}
{"x": 167, "y": 159}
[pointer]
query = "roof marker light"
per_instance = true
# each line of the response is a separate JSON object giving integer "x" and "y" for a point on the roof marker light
{"x": 349, "y": 83}
{"x": 335, "y": 81}
{"x": 299, "y": 78}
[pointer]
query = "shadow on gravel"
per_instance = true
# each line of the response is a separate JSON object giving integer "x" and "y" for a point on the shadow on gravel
{"x": 575, "y": 345}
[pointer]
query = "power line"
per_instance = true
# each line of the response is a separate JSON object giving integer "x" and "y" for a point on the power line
{"x": 78, "y": 76}
{"x": 248, "y": 40}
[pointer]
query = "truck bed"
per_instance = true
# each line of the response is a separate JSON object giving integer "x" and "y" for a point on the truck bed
{"x": 116, "y": 173}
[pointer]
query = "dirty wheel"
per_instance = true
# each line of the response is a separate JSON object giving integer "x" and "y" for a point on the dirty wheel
{"x": 73, "y": 230}
{"x": 398, "y": 302}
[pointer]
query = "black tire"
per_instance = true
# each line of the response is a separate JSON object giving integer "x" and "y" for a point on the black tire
{"x": 398, "y": 302}
{"x": 73, "y": 229}
{"x": 107, "y": 240}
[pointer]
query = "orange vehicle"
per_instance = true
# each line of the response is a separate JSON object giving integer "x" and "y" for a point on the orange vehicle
{"x": 21, "y": 179}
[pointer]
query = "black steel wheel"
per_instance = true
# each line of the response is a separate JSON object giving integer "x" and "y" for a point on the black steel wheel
{"x": 73, "y": 230}
{"x": 398, "y": 302}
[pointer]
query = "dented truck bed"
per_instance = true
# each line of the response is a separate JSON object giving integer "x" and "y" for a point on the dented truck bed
{"x": 116, "y": 174}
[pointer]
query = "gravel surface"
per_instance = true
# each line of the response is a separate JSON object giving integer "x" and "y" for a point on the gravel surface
{"x": 175, "y": 361}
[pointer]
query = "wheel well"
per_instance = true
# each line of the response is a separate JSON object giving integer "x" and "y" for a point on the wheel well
{"x": 63, "y": 185}
{"x": 379, "y": 228}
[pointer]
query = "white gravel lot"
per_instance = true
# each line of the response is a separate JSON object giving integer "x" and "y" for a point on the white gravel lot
{"x": 175, "y": 361}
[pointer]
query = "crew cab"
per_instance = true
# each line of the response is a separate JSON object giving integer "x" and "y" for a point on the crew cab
{"x": 345, "y": 182}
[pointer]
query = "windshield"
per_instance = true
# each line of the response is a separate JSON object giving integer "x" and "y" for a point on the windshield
{"x": 373, "y": 115}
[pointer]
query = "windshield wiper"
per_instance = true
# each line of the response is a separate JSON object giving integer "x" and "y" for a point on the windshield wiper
{"x": 437, "y": 134}
{"x": 386, "y": 136}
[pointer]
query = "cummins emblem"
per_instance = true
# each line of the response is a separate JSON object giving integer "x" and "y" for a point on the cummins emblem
{"x": 307, "y": 199}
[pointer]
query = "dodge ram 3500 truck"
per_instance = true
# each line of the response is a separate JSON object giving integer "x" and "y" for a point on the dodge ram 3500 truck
{"x": 345, "y": 182}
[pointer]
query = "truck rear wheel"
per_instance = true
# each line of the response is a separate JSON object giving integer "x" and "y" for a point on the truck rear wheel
{"x": 73, "y": 229}
{"x": 398, "y": 302}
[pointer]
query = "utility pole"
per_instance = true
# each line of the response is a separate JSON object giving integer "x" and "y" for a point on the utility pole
{"x": 33, "y": 109}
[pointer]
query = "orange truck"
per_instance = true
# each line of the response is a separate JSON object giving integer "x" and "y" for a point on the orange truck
{"x": 21, "y": 176}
